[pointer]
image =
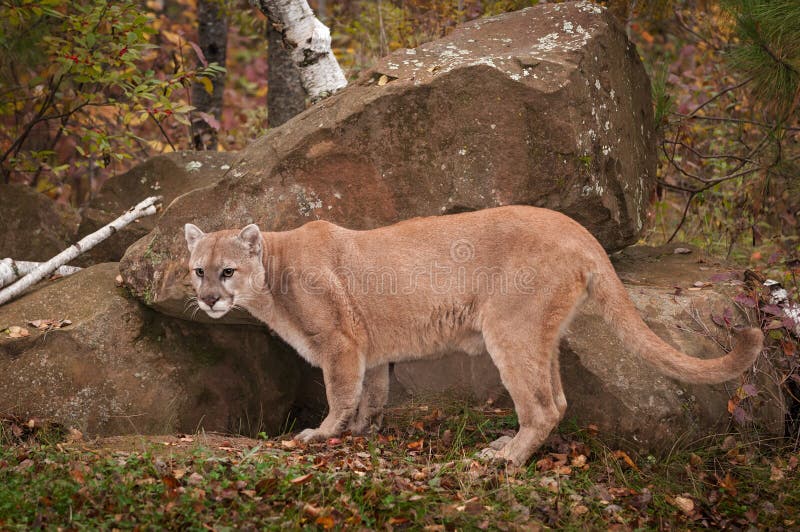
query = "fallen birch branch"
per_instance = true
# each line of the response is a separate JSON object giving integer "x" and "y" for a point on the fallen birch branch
{"x": 11, "y": 270}
{"x": 144, "y": 208}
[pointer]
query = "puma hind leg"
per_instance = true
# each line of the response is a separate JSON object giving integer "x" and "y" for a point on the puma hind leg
{"x": 529, "y": 382}
{"x": 529, "y": 368}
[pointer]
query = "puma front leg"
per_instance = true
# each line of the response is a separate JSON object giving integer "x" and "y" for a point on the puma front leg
{"x": 344, "y": 378}
{"x": 373, "y": 399}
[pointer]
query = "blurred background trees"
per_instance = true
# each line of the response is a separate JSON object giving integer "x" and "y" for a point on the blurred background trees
{"x": 88, "y": 89}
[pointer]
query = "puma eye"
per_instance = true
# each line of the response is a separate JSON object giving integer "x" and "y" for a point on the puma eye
{"x": 199, "y": 272}
{"x": 228, "y": 272}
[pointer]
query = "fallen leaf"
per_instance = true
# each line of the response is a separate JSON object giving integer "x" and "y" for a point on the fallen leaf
{"x": 311, "y": 510}
{"x": 289, "y": 444}
{"x": 579, "y": 510}
{"x": 327, "y": 522}
{"x": 15, "y": 331}
{"x": 74, "y": 435}
{"x": 776, "y": 474}
{"x": 302, "y": 479}
{"x": 627, "y": 459}
{"x": 728, "y": 483}
{"x": 416, "y": 445}
{"x": 684, "y": 504}
{"x": 383, "y": 80}
{"x": 170, "y": 482}
{"x": 578, "y": 461}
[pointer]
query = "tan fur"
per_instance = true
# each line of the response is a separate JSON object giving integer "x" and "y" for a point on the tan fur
{"x": 504, "y": 280}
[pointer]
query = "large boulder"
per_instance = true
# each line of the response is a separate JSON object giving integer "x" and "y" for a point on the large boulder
{"x": 34, "y": 227}
{"x": 122, "y": 368}
{"x": 168, "y": 175}
{"x": 632, "y": 404}
{"x": 548, "y": 106}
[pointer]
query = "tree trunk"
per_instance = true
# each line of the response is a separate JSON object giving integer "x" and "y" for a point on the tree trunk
{"x": 309, "y": 43}
{"x": 212, "y": 20}
{"x": 285, "y": 96}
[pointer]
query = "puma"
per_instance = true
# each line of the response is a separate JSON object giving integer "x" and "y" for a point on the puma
{"x": 505, "y": 280}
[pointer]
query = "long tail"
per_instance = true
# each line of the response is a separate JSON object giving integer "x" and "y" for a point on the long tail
{"x": 618, "y": 310}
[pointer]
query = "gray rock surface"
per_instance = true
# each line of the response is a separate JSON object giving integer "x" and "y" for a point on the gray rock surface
{"x": 548, "y": 106}
{"x": 122, "y": 368}
{"x": 168, "y": 175}
{"x": 33, "y": 226}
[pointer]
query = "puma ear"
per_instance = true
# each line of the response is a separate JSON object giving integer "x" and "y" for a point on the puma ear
{"x": 251, "y": 236}
{"x": 193, "y": 235}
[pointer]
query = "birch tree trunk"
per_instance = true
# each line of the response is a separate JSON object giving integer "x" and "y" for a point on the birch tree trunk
{"x": 144, "y": 208}
{"x": 309, "y": 42}
{"x": 11, "y": 270}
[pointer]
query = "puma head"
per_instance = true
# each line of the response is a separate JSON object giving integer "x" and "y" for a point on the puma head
{"x": 225, "y": 267}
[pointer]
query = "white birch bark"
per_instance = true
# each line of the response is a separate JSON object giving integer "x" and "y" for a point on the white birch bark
{"x": 11, "y": 270}
{"x": 310, "y": 45}
{"x": 144, "y": 208}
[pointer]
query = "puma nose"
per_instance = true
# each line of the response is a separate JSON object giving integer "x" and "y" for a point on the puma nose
{"x": 210, "y": 300}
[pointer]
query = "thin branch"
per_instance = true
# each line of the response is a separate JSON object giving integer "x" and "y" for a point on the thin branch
{"x": 164, "y": 133}
{"x": 720, "y": 93}
{"x": 706, "y": 156}
{"x": 734, "y": 120}
{"x": 683, "y": 216}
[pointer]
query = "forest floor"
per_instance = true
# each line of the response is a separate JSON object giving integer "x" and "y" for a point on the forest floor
{"x": 418, "y": 473}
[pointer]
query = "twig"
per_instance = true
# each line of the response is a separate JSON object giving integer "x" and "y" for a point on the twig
{"x": 164, "y": 133}
{"x": 683, "y": 216}
{"x": 720, "y": 93}
{"x": 734, "y": 120}
{"x": 145, "y": 208}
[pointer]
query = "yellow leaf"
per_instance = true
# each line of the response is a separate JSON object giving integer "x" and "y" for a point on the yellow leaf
{"x": 207, "y": 85}
{"x": 159, "y": 146}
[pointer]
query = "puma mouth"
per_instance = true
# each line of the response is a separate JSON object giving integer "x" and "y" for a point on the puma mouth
{"x": 213, "y": 313}
{"x": 216, "y": 314}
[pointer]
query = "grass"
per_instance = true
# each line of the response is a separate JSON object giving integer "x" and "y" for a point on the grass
{"x": 417, "y": 473}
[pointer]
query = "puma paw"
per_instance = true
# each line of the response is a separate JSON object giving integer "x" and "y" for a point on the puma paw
{"x": 500, "y": 442}
{"x": 487, "y": 454}
{"x": 494, "y": 453}
{"x": 309, "y": 435}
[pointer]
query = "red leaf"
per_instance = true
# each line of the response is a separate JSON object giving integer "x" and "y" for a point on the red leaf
{"x": 773, "y": 310}
{"x": 745, "y": 300}
{"x": 740, "y": 415}
{"x": 210, "y": 120}
{"x": 200, "y": 55}
{"x": 750, "y": 389}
